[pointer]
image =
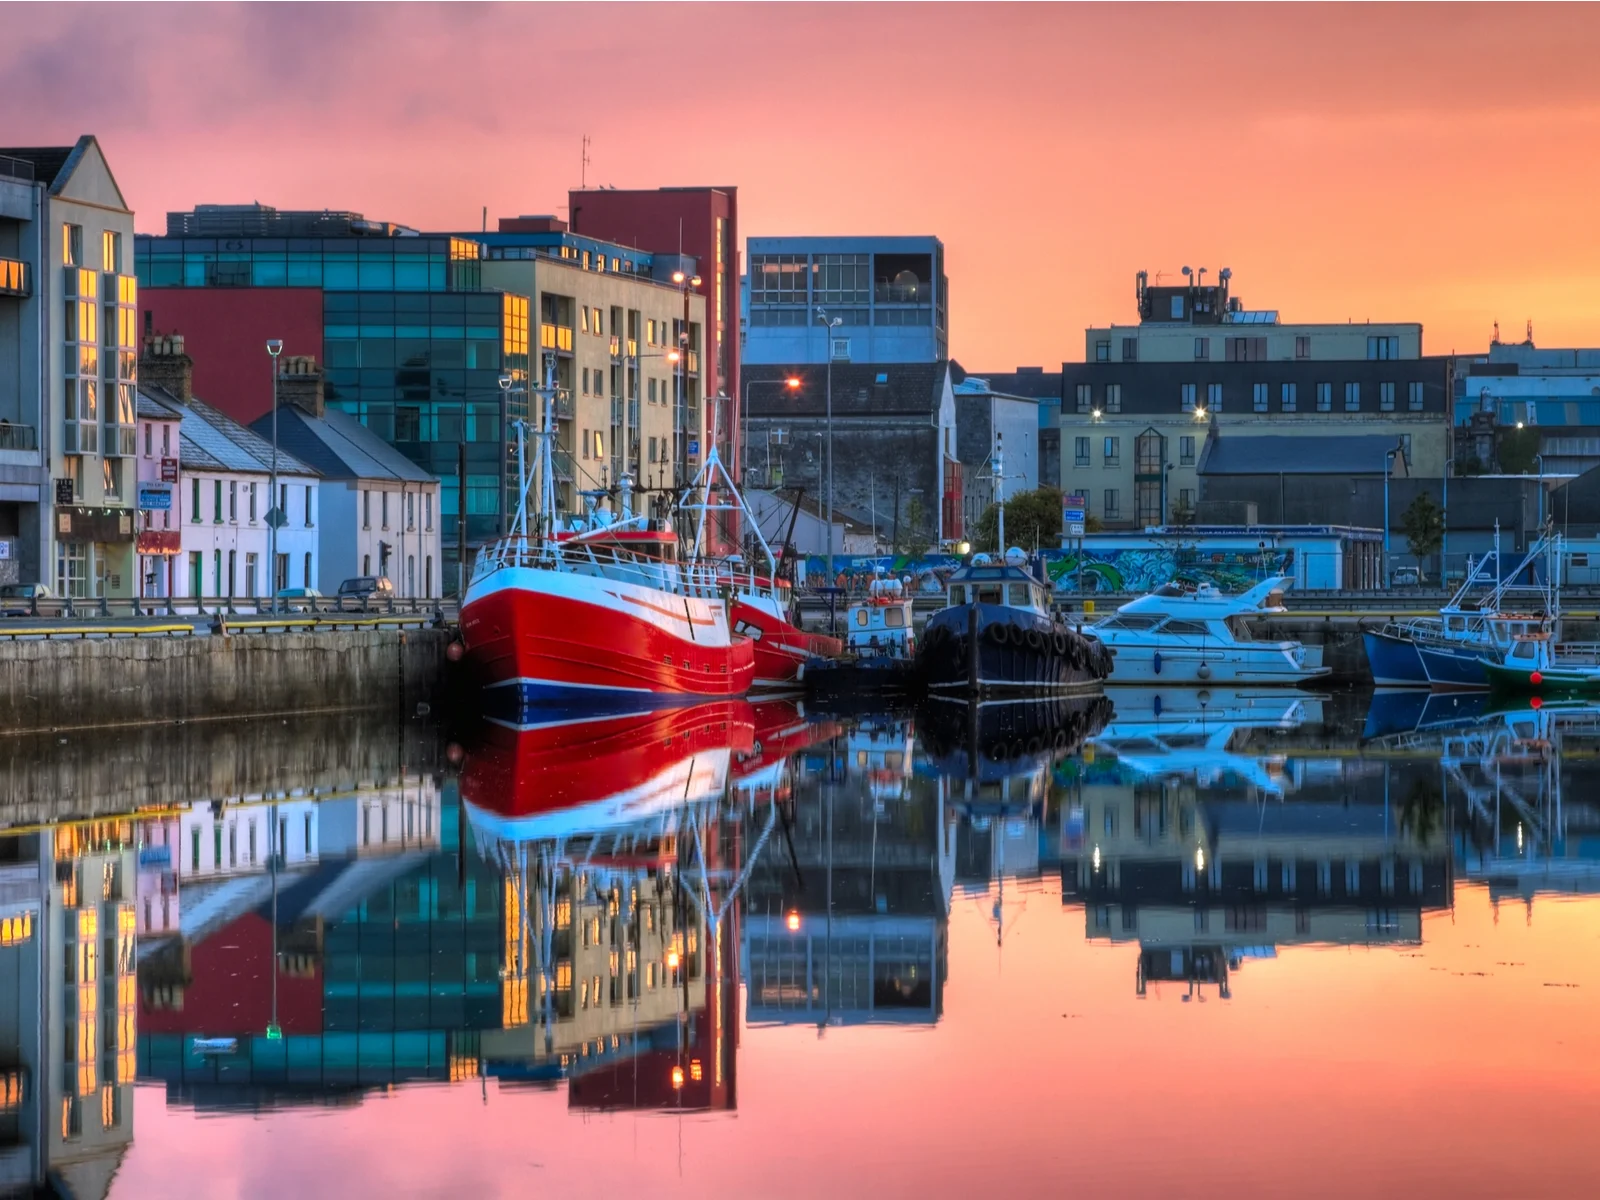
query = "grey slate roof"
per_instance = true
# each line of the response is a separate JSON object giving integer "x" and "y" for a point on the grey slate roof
{"x": 1035, "y": 383}
{"x": 859, "y": 389}
{"x": 213, "y": 441}
{"x": 1336, "y": 454}
{"x": 152, "y": 408}
{"x": 339, "y": 446}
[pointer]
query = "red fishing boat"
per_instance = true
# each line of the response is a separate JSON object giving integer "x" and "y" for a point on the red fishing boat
{"x": 605, "y": 618}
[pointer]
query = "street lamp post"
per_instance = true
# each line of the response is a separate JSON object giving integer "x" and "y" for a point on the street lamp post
{"x": 274, "y": 514}
{"x": 1539, "y": 458}
{"x": 828, "y": 328}
{"x": 1388, "y": 463}
{"x": 1444, "y": 527}
{"x": 791, "y": 382}
{"x": 680, "y": 448}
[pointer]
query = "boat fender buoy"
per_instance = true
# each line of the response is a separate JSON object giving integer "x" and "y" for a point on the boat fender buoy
{"x": 1157, "y": 706}
{"x": 1535, "y": 678}
{"x": 1156, "y": 662}
{"x": 1036, "y": 641}
{"x": 1203, "y": 671}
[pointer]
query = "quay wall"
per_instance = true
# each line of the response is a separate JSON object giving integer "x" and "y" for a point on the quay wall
{"x": 56, "y": 776}
{"x": 79, "y": 683}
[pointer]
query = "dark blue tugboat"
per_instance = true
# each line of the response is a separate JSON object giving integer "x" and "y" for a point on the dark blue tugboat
{"x": 997, "y": 637}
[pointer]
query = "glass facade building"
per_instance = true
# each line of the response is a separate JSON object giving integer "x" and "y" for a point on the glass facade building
{"x": 412, "y": 345}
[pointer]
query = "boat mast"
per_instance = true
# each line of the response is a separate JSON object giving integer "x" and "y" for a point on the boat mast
{"x": 997, "y": 474}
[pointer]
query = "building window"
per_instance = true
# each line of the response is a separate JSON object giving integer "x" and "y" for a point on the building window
{"x": 1186, "y": 499}
{"x": 427, "y": 511}
{"x": 72, "y": 246}
{"x": 1386, "y": 397}
{"x": 1085, "y": 397}
{"x": 252, "y": 503}
{"x": 1324, "y": 397}
{"x": 366, "y": 510}
{"x": 1214, "y": 397}
{"x": 1202, "y": 348}
{"x": 216, "y": 504}
{"x": 1258, "y": 397}
{"x": 1110, "y": 505}
{"x": 1188, "y": 395}
{"x": 1102, "y": 351}
{"x": 1080, "y": 452}
{"x": 1288, "y": 397}
{"x": 1113, "y": 397}
{"x": 149, "y": 439}
{"x": 307, "y": 576}
{"x": 1414, "y": 396}
{"x": 1112, "y": 451}
{"x": 383, "y": 508}
{"x": 1352, "y": 397}
{"x": 366, "y": 564}
{"x": 194, "y": 500}
{"x": 1302, "y": 347}
{"x": 652, "y": 457}
{"x": 111, "y": 252}
{"x": 1247, "y": 349}
{"x": 309, "y": 513}
{"x": 1130, "y": 349}
{"x": 233, "y": 501}
{"x": 1186, "y": 450}
{"x": 1383, "y": 348}
{"x": 1177, "y": 308}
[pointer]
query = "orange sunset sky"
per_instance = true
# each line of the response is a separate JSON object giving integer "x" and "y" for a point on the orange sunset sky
{"x": 1434, "y": 163}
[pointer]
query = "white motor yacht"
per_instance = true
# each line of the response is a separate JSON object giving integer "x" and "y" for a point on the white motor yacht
{"x": 1195, "y": 634}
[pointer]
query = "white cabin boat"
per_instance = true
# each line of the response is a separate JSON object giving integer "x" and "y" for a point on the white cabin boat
{"x": 1196, "y": 634}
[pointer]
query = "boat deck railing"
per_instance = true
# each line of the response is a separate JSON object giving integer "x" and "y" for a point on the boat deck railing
{"x": 602, "y": 560}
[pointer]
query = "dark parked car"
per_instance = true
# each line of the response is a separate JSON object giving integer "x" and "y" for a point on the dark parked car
{"x": 17, "y": 599}
{"x": 365, "y": 587}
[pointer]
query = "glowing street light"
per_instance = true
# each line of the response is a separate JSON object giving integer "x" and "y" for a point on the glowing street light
{"x": 793, "y": 921}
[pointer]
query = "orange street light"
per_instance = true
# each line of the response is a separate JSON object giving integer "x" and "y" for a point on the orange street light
{"x": 793, "y": 921}
{"x": 792, "y": 383}
{"x": 677, "y": 1078}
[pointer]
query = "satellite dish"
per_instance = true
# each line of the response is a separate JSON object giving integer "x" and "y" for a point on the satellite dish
{"x": 1186, "y": 271}
{"x": 1016, "y": 556}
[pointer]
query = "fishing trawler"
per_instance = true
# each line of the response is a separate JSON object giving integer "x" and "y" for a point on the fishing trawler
{"x": 998, "y": 636}
{"x": 603, "y": 617}
{"x": 880, "y": 648}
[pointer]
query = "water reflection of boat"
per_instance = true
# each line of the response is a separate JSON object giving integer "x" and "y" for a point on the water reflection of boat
{"x": 1394, "y": 711}
{"x": 987, "y": 738}
{"x": 1160, "y": 732}
{"x": 566, "y": 778}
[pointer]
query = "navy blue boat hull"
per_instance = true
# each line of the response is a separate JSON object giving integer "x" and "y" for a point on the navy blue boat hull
{"x": 1019, "y": 652}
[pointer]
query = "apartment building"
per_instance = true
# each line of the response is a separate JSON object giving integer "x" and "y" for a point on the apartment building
{"x": 68, "y": 362}
{"x": 1136, "y": 412}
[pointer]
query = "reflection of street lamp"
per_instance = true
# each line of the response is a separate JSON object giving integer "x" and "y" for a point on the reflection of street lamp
{"x": 1388, "y": 463}
{"x": 685, "y": 284}
{"x": 508, "y": 386}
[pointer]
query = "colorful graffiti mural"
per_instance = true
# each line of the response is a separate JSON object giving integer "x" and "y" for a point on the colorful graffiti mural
{"x": 1112, "y": 570}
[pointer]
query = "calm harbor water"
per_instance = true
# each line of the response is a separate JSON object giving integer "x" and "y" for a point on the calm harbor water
{"x": 1196, "y": 943}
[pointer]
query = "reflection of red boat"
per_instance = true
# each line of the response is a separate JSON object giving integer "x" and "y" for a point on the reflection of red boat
{"x": 781, "y": 731}
{"x": 573, "y": 777}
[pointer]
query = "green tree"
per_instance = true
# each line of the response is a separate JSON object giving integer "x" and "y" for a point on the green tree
{"x": 1423, "y": 524}
{"x": 914, "y": 540}
{"x": 1032, "y": 519}
{"x": 1516, "y": 448}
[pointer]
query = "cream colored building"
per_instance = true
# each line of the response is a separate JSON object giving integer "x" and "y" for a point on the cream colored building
{"x": 612, "y": 334}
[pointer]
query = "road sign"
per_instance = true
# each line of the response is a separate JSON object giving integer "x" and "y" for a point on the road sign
{"x": 275, "y": 517}
{"x": 64, "y": 491}
{"x": 1075, "y": 529}
{"x": 1073, "y": 510}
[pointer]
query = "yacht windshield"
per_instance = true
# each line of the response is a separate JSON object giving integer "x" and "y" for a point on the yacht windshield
{"x": 1240, "y": 628}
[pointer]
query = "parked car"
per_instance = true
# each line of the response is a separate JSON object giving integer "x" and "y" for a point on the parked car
{"x": 1405, "y": 577}
{"x": 17, "y": 599}
{"x": 365, "y": 587}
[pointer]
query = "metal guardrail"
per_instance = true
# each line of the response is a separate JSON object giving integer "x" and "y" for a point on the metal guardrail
{"x": 105, "y": 608}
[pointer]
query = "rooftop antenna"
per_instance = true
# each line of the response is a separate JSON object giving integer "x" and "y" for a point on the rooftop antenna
{"x": 583, "y": 165}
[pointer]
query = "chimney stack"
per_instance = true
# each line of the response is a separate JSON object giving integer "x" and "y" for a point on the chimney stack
{"x": 164, "y": 364}
{"x": 300, "y": 384}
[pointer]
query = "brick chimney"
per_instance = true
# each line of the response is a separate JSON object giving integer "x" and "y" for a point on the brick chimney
{"x": 300, "y": 384}
{"x": 163, "y": 363}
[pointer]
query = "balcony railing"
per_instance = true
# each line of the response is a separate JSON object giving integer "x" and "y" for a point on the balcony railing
{"x": 564, "y": 406}
{"x": 18, "y": 437}
{"x": 555, "y": 337}
{"x": 122, "y": 441}
{"x": 15, "y": 278}
{"x": 903, "y": 293}
{"x": 16, "y": 168}
{"x": 80, "y": 437}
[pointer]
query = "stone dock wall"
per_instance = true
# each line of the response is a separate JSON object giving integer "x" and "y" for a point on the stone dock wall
{"x": 82, "y": 683}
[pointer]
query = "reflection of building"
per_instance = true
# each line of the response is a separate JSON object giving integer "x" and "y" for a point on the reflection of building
{"x": 1204, "y": 880}
{"x": 66, "y": 1007}
{"x": 854, "y": 928}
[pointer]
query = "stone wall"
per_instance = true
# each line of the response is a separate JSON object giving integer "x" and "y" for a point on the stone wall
{"x": 79, "y": 683}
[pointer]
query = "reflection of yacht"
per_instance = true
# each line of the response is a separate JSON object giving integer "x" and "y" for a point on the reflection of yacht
{"x": 1183, "y": 634}
{"x": 1160, "y": 732}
